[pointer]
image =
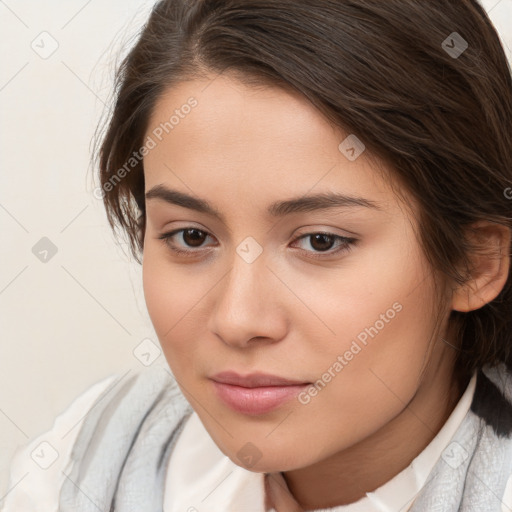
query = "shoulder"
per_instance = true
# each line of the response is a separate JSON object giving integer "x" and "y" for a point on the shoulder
{"x": 90, "y": 441}
{"x": 37, "y": 467}
{"x": 492, "y": 402}
{"x": 122, "y": 448}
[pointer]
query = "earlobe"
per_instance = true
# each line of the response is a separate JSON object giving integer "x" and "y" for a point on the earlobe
{"x": 490, "y": 266}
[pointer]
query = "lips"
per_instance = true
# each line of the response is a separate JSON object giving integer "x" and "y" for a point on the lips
{"x": 255, "y": 380}
{"x": 257, "y": 393}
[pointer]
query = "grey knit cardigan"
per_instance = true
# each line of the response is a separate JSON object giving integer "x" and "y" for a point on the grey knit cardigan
{"x": 121, "y": 453}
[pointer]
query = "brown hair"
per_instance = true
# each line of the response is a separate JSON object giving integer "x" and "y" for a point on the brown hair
{"x": 382, "y": 70}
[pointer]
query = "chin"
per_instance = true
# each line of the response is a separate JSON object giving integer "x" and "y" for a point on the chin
{"x": 260, "y": 464}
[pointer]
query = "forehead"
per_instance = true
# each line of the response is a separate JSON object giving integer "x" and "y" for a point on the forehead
{"x": 237, "y": 138}
{"x": 228, "y": 111}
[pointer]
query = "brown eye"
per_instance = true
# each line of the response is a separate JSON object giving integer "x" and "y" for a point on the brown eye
{"x": 193, "y": 237}
{"x": 190, "y": 239}
{"x": 324, "y": 242}
{"x": 321, "y": 241}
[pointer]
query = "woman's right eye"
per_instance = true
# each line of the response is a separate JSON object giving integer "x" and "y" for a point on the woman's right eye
{"x": 193, "y": 237}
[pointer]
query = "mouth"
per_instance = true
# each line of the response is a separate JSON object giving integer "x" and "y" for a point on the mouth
{"x": 257, "y": 393}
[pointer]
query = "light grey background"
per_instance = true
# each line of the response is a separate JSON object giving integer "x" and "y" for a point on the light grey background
{"x": 78, "y": 317}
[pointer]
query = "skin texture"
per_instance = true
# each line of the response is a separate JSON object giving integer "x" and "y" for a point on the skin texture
{"x": 287, "y": 313}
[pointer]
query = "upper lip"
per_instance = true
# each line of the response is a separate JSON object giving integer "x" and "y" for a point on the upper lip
{"x": 254, "y": 380}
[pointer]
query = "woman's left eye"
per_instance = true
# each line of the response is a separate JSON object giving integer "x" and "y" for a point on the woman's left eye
{"x": 321, "y": 242}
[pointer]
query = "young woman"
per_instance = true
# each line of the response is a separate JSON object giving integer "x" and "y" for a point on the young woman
{"x": 320, "y": 193}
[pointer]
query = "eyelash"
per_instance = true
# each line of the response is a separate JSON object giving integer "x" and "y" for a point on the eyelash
{"x": 346, "y": 243}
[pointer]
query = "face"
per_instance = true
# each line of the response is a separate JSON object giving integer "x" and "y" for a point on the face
{"x": 335, "y": 297}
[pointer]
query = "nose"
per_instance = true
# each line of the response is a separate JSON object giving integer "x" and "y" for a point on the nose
{"x": 247, "y": 306}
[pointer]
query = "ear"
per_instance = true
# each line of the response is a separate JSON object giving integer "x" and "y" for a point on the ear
{"x": 489, "y": 266}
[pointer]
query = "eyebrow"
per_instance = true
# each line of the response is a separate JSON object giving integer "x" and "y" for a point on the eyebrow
{"x": 321, "y": 201}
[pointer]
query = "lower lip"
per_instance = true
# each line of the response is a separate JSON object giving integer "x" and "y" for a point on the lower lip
{"x": 256, "y": 400}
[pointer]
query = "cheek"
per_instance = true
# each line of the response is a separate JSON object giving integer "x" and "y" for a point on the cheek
{"x": 360, "y": 386}
{"x": 379, "y": 322}
{"x": 381, "y": 298}
{"x": 171, "y": 295}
